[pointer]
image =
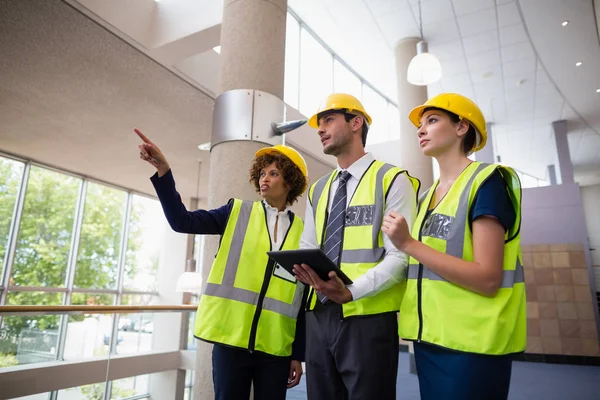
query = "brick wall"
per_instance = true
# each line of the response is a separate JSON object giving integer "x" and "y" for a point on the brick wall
{"x": 560, "y": 306}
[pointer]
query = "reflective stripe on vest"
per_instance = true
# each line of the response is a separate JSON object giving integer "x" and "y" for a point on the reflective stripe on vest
{"x": 376, "y": 253}
{"x": 509, "y": 277}
{"x": 228, "y": 291}
{"x": 455, "y": 238}
{"x": 437, "y": 311}
{"x": 363, "y": 240}
{"x": 248, "y": 302}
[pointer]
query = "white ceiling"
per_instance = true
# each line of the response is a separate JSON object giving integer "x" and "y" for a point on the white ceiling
{"x": 513, "y": 57}
{"x": 72, "y": 88}
{"x": 71, "y": 92}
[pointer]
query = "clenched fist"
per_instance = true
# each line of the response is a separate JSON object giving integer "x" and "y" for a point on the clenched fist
{"x": 395, "y": 227}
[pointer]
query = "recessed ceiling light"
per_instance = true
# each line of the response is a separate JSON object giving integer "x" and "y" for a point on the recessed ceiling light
{"x": 204, "y": 146}
{"x": 597, "y": 90}
{"x": 217, "y": 49}
{"x": 565, "y": 23}
{"x": 578, "y": 64}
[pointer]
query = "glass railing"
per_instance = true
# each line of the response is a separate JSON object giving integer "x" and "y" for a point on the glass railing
{"x": 116, "y": 351}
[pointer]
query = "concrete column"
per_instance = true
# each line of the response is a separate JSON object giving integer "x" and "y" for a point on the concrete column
{"x": 410, "y": 96}
{"x": 486, "y": 154}
{"x": 252, "y": 57}
{"x": 552, "y": 174}
{"x": 562, "y": 149}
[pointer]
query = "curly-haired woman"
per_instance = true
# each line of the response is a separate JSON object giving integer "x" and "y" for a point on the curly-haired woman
{"x": 250, "y": 309}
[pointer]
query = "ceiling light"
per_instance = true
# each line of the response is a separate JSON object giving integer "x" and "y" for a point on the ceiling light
{"x": 190, "y": 281}
{"x": 425, "y": 68}
{"x": 204, "y": 146}
{"x": 578, "y": 64}
{"x": 597, "y": 90}
{"x": 565, "y": 23}
{"x": 217, "y": 49}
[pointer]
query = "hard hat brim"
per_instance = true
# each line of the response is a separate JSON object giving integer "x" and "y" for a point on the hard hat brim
{"x": 313, "y": 122}
{"x": 415, "y": 117}
{"x": 268, "y": 150}
{"x": 274, "y": 150}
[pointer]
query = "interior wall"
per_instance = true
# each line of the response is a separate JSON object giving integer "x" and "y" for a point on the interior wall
{"x": 591, "y": 199}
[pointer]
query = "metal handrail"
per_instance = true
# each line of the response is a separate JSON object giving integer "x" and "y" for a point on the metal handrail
{"x": 71, "y": 310}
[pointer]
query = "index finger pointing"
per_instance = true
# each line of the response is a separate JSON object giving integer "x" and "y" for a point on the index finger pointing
{"x": 142, "y": 136}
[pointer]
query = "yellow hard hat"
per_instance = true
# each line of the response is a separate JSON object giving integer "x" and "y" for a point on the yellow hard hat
{"x": 339, "y": 101}
{"x": 287, "y": 151}
{"x": 459, "y": 105}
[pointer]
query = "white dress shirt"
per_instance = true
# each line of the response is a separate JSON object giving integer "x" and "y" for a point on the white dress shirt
{"x": 402, "y": 199}
{"x": 283, "y": 224}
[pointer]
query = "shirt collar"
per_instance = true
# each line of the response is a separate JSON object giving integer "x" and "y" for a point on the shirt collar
{"x": 273, "y": 209}
{"x": 359, "y": 167}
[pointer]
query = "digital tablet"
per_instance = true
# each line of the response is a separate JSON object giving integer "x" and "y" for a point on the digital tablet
{"x": 315, "y": 258}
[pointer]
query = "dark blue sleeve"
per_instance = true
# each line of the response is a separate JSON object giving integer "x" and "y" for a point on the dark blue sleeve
{"x": 202, "y": 222}
{"x": 299, "y": 345}
{"x": 492, "y": 200}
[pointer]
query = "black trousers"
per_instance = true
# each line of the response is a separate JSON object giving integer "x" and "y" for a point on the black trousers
{"x": 351, "y": 359}
{"x": 234, "y": 370}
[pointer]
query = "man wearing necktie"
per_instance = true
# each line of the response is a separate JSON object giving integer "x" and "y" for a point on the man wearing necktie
{"x": 352, "y": 331}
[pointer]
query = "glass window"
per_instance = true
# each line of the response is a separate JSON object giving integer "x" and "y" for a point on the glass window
{"x": 189, "y": 378}
{"x": 292, "y": 61}
{"x": 93, "y": 299}
{"x": 345, "y": 81}
{"x": 191, "y": 340}
{"x": 11, "y": 173}
{"x": 199, "y": 243}
{"x": 128, "y": 387}
{"x": 146, "y": 231}
{"x": 40, "y": 396}
{"x": 29, "y": 339}
{"x": 15, "y": 298}
{"x": 100, "y": 237}
{"x": 135, "y": 330}
{"x": 189, "y": 384}
{"x": 316, "y": 73}
{"x": 121, "y": 389}
{"x": 135, "y": 333}
{"x": 94, "y": 391}
{"x": 88, "y": 336}
{"x": 45, "y": 229}
{"x": 376, "y": 106}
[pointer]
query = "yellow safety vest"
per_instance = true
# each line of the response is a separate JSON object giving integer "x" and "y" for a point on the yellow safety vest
{"x": 437, "y": 311}
{"x": 249, "y": 302}
{"x": 362, "y": 246}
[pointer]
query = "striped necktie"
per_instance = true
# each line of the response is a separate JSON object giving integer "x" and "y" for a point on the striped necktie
{"x": 335, "y": 225}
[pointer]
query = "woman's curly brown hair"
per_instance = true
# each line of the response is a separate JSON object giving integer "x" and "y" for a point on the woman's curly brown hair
{"x": 294, "y": 178}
